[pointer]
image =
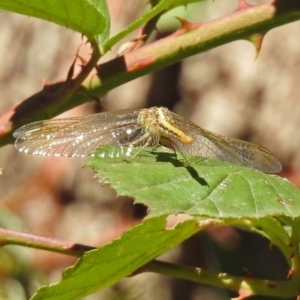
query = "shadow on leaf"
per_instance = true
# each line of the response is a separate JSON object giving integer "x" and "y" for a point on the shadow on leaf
{"x": 178, "y": 163}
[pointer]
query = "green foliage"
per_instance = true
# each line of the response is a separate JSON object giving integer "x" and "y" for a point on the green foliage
{"x": 90, "y": 17}
{"x": 101, "y": 268}
{"x": 207, "y": 187}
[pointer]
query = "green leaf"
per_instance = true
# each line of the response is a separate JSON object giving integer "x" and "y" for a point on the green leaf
{"x": 207, "y": 187}
{"x": 102, "y": 267}
{"x": 89, "y": 17}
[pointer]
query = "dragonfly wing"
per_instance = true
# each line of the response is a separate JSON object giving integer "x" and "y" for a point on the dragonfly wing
{"x": 255, "y": 156}
{"x": 80, "y": 137}
{"x": 212, "y": 145}
{"x": 207, "y": 145}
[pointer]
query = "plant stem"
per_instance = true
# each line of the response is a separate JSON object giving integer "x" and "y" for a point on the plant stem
{"x": 295, "y": 259}
{"x": 52, "y": 100}
{"x": 190, "y": 40}
{"x": 244, "y": 286}
{"x": 187, "y": 41}
{"x": 9, "y": 237}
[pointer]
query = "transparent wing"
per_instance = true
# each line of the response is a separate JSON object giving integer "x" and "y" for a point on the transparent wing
{"x": 81, "y": 136}
{"x": 209, "y": 144}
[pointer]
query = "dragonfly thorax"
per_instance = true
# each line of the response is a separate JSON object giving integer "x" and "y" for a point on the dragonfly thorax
{"x": 158, "y": 122}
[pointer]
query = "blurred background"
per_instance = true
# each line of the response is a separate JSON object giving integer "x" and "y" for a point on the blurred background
{"x": 226, "y": 90}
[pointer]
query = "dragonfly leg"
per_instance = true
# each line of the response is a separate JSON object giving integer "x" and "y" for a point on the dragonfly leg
{"x": 146, "y": 137}
{"x": 171, "y": 145}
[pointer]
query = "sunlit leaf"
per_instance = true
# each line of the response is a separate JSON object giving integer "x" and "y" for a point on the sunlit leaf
{"x": 206, "y": 187}
{"x": 88, "y": 17}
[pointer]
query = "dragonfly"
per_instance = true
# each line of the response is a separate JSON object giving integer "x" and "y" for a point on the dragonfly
{"x": 142, "y": 128}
